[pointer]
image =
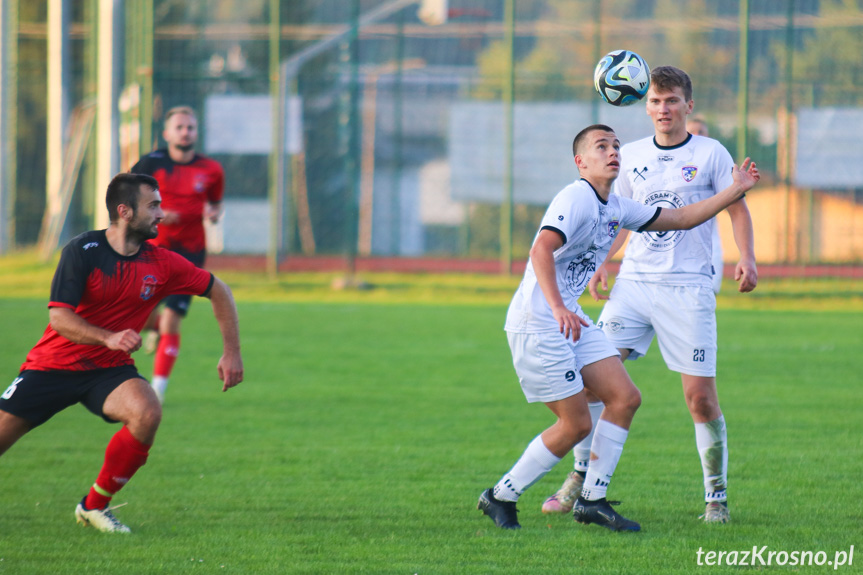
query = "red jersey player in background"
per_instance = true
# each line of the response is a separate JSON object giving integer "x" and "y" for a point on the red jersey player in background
{"x": 105, "y": 286}
{"x": 192, "y": 187}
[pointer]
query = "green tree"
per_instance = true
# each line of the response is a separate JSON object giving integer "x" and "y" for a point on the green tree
{"x": 828, "y": 64}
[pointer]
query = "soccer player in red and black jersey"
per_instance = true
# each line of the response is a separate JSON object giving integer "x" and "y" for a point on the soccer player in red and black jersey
{"x": 192, "y": 187}
{"x": 105, "y": 286}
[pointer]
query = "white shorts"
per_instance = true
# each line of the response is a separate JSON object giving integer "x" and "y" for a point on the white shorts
{"x": 682, "y": 317}
{"x": 548, "y": 365}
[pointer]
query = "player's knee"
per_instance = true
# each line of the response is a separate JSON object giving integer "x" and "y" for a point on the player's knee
{"x": 580, "y": 430}
{"x": 574, "y": 430}
{"x": 632, "y": 400}
{"x": 701, "y": 404}
{"x": 628, "y": 400}
{"x": 149, "y": 418}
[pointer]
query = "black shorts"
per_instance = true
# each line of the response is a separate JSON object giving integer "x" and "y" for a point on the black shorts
{"x": 37, "y": 396}
{"x": 180, "y": 303}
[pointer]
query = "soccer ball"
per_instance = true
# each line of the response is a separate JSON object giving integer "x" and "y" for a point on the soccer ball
{"x": 621, "y": 77}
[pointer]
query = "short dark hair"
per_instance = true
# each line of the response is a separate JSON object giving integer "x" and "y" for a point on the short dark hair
{"x": 125, "y": 189}
{"x": 579, "y": 138}
{"x": 667, "y": 78}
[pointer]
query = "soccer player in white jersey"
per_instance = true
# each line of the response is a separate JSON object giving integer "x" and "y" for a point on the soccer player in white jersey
{"x": 557, "y": 351}
{"x": 664, "y": 286}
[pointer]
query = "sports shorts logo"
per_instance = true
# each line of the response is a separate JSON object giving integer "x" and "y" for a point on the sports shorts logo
{"x": 662, "y": 241}
{"x": 148, "y": 287}
{"x": 613, "y": 325}
{"x": 689, "y": 172}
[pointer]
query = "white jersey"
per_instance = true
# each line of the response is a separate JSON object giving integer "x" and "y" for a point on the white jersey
{"x": 588, "y": 226}
{"x": 672, "y": 177}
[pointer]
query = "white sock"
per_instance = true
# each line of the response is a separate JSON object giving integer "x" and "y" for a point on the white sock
{"x": 581, "y": 451}
{"x": 534, "y": 463}
{"x": 711, "y": 438}
{"x": 159, "y": 385}
{"x": 608, "y": 440}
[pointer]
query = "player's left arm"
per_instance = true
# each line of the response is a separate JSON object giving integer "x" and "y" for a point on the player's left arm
{"x": 744, "y": 236}
{"x": 230, "y": 365}
{"x": 213, "y": 211}
{"x": 691, "y": 215}
{"x": 600, "y": 277}
{"x": 215, "y": 194}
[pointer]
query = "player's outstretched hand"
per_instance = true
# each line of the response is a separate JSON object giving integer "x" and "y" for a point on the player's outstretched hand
{"x": 230, "y": 371}
{"x": 570, "y": 322}
{"x": 747, "y": 274}
{"x": 600, "y": 277}
{"x": 212, "y": 213}
{"x": 127, "y": 340}
{"x": 171, "y": 218}
{"x": 747, "y": 175}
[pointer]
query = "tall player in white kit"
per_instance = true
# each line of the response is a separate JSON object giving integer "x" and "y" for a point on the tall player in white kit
{"x": 557, "y": 351}
{"x": 664, "y": 286}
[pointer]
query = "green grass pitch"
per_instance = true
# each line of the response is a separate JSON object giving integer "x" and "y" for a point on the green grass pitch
{"x": 365, "y": 431}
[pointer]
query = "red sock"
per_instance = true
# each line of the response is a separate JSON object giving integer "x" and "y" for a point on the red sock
{"x": 166, "y": 354}
{"x": 123, "y": 457}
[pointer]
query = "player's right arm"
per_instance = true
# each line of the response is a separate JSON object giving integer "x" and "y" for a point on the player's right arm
{"x": 78, "y": 330}
{"x": 542, "y": 258}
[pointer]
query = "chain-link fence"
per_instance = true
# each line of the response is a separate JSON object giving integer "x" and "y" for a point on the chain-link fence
{"x": 398, "y": 130}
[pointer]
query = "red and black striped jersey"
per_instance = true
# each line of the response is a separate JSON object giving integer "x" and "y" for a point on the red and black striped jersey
{"x": 110, "y": 291}
{"x": 185, "y": 188}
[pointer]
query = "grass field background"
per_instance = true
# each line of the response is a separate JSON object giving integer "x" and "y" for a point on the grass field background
{"x": 370, "y": 421}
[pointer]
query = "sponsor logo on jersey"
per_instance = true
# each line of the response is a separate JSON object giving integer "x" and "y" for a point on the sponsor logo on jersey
{"x": 689, "y": 172}
{"x": 148, "y": 287}
{"x": 665, "y": 158}
{"x": 613, "y": 226}
{"x": 639, "y": 174}
{"x": 90, "y": 245}
{"x": 662, "y": 241}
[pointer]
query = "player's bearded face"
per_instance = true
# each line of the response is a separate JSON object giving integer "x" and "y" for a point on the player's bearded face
{"x": 144, "y": 224}
{"x": 182, "y": 132}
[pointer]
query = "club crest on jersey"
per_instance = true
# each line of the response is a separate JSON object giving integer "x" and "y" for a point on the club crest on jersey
{"x": 579, "y": 271}
{"x": 200, "y": 185}
{"x": 613, "y": 226}
{"x": 148, "y": 287}
{"x": 689, "y": 172}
